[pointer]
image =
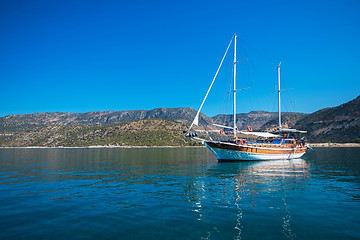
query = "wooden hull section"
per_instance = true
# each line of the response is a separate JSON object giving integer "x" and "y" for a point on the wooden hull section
{"x": 232, "y": 152}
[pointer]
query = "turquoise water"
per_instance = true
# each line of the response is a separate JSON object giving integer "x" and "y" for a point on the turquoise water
{"x": 177, "y": 194}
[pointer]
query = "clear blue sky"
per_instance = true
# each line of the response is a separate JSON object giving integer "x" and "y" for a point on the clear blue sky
{"x": 81, "y": 56}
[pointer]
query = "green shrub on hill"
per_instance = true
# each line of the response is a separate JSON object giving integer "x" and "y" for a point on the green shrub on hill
{"x": 151, "y": 132}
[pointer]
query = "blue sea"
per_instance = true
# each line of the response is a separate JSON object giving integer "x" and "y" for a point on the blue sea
{"x": 177, "y": 193}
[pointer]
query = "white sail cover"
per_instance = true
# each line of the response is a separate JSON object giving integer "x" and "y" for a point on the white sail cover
{"x": 292, "y": 130}
{"x": 259, "y": 134}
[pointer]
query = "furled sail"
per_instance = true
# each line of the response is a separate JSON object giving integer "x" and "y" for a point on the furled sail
{"x": 196, "y": 119}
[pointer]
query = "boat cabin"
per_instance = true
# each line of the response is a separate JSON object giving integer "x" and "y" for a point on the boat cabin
{"x": 282, "y": 137}
{"x": 290, "y": 133}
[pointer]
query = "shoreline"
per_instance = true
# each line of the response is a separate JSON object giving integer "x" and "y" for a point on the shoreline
{"x": 312, "y": 145}
{"x": 100, "y": 147}
{"x": 320, "y": 145}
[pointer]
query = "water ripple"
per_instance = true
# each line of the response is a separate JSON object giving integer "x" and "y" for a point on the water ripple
{"x": 176, "y": 194}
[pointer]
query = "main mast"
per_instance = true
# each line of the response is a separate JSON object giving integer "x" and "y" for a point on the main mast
{"x": 279, "y": 90}
{"x": 235, "y": 36}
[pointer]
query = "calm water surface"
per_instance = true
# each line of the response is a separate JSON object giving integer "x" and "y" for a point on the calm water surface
{"x": 177, "y": 194}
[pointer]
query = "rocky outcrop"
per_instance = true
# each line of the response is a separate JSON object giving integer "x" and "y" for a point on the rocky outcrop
{"x": 338, "y": 124}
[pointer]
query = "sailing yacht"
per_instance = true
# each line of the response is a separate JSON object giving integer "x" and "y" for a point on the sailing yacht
{"x": 248, "y": 145}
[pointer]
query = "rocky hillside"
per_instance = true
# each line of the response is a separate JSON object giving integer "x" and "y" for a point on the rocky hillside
{"x": 255, "y": 119}
{"x": 288, "y": 120}
{"x": 337, "y": 124}
{"x": 152, "y": 132}
{"x": 260, "y": 120}
{"x": 18, "y": 123}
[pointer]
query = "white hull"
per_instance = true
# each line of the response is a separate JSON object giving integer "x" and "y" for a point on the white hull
{"x": 233, "y": 155}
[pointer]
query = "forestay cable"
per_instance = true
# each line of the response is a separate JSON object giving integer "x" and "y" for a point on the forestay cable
{"x": 196, "y": 119}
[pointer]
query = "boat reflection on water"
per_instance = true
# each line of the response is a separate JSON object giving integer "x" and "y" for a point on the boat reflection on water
{"x": 253, "y": 193}
{"x": 293, "y": 168}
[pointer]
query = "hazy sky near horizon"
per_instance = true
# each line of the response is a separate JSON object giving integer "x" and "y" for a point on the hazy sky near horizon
{"x": 81, "y": 56}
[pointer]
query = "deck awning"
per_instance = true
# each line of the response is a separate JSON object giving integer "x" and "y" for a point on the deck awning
{"x": 289, "y": 130}
{"x": 258, "y": 134}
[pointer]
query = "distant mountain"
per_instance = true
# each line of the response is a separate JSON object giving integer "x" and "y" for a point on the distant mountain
{"x": 150, "y": 132}
{"x": 27, "y": 122}
{"x": 18, "y": 123}
{"x": 336, "y": 124}
{"x": 255, "y": 119}
{"x": 288, "y": 120}
{"x": 259, "y": 120}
